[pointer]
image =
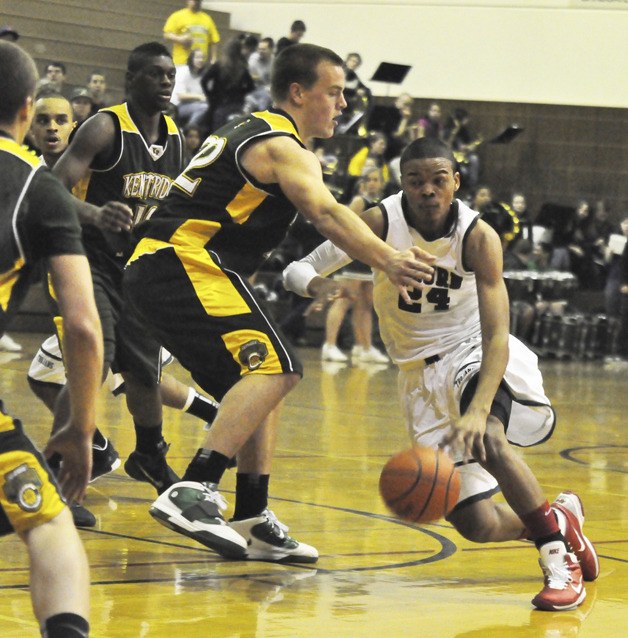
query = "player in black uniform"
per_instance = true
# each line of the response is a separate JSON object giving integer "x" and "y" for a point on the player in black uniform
{"x": 39, "y": 226}
{"x": 232, "y": 204}
{"x": 133, "y": 152}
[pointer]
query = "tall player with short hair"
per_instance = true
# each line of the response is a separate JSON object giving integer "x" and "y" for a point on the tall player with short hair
{"x": 232, "y": 204}
{"x": 131, "y": 152}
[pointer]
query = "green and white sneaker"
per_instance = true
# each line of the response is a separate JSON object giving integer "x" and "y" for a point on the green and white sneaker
{"x": 194, "y": 510}
{"x": 267, "y": 539}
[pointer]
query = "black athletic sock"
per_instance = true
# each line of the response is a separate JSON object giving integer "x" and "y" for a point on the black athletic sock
{"x": 203, "y": 407}
{"x": 207, "y": 466}
{"x": 557, "y": 536}
{"x": 251, "y": 495}
{"x": 99, "y": 439}
{"x": 147, "y": 440}
{"x": 66, "y": 626}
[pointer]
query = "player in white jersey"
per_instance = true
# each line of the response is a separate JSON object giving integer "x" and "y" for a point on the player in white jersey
{"x": 46, "y": 377}
{"x": 465, "y": 383}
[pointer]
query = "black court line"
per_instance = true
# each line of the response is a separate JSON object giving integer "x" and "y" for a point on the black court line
{"x": 568, "y": 454}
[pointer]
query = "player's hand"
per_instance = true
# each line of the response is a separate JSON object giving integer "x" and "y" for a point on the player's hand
{"x": 410, "y": 269}
{"x": 467, "y": 436}
{"x": 114, "y": 217}
{"x": 324, "y": 291}
{"x": 75, "y": 445}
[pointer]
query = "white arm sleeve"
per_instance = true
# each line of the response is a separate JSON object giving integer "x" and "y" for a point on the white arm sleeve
{"x": 322, "y": 261}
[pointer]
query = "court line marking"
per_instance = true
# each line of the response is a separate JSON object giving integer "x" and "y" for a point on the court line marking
{"x": 567, "y": 454}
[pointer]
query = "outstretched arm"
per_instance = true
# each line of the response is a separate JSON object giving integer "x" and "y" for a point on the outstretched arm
{"x": 299, "y": 175}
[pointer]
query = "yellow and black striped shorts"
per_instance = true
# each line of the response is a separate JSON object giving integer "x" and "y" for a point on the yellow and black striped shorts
{"x": 208, "y": 316}
{"x": 29, "y": 495}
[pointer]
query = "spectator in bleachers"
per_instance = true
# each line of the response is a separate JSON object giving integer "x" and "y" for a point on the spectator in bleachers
{"x": 400, "y": 134}
{"x": 355, "y": 91}
{"x": 192, "y": 139}
{"x": 601, "y": 230}
{"x": 191, "y": 28}
{"x": 297, "y": 31}
{"x": 370, "y": 156}
{"x": 225, "y": 84}
{"x": 623, "y": 308}
{"x": 97, "y": 85}
{"x": 430, "y": 125}
{"x": 82, "y": 103}
{"x": 582, "y": 236}
{"x": 188, "y": 95}
{"x": 55, "y": 79}
{"x": 464, "y": 142}
{"x": 616, "y": 289}
{"x": 359, "y": 99}
{"x": 496, "y": 214}
{"x": 249, "y": 44}
{"x": 260, "y": 63}
{"x": 357, "y": 280}
{"x": 519, "y": 205}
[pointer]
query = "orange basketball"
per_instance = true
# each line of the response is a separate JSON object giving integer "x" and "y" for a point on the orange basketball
{"x": 420, "y": 484}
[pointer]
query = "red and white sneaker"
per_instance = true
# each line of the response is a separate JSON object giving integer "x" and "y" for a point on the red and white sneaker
{"x": 570, "y": 515}
{"x": 563, "y": 579}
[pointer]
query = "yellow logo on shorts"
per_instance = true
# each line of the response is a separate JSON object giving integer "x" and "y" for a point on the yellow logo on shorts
{"x": 253, "y": 353}
{"x": 23, "y": 486}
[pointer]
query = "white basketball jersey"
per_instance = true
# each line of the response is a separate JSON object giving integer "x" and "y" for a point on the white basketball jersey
{"x": 446, "y": 312}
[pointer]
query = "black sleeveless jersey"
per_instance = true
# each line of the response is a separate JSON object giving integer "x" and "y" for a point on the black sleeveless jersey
{"x": 138, "y": 175}
{"x": 215, "y": 204}
{"x": 37, "y": 220}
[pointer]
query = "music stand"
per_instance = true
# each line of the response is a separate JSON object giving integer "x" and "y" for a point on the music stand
{"x": 390, "y": 73}
{"x": 507, "y": 135}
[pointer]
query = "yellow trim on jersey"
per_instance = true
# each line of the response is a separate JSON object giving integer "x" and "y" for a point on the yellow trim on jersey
{"x": 235, "y": 340}
{"x": 173, "y": 129}
{"x": 11, "y": 146}
{"x": 6, "y": 423}
{"x": 7, "y": 281}
{"x": 128, "y": 125}
{"x": 277, "y": 122}
{"x": 245, "y": 203}
{"x": 214, "y": 290}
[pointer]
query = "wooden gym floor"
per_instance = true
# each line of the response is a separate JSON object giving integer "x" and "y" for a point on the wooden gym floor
{"x": 376, "y": 577}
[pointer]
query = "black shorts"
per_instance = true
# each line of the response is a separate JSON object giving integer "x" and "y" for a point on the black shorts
{"x": 128, "y": 345}
{"x": 208, "y": 317}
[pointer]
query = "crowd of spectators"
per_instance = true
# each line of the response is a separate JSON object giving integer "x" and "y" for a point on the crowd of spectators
{"x": 216, "y": 82}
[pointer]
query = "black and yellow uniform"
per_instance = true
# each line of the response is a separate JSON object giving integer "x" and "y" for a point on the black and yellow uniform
{"x": 140, "y": 176}
{"x": 188, "y": 274}
{"x": 37, "y": 220}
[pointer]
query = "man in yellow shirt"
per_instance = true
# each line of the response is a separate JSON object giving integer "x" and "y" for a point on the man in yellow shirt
{"x": 190, "y": 29}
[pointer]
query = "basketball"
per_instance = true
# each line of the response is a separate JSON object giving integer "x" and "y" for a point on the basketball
{"x": 420, "y": 484}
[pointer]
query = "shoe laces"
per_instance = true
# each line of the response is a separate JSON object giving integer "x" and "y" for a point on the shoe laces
{"x": 280, "y": 527}
{"x": 557, "y": 576}
{"x": 214, "y": 496}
